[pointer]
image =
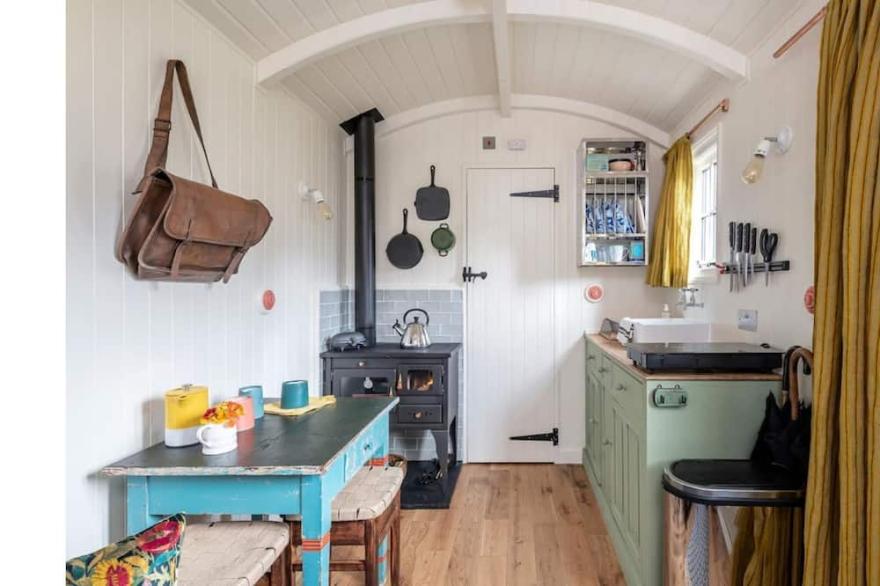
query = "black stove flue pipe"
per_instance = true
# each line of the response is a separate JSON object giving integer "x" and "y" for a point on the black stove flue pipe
{"x": 362, "y": 127}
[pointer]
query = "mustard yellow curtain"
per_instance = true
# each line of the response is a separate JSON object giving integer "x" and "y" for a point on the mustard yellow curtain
{"x": 842, "y": 526}
{"x": 671, "y": 242}
{"x": 769, "y": 547}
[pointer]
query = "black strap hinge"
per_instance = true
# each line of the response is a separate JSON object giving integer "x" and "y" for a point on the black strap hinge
{"x": 547, "y": 193}
{"x": 553, "y": 436}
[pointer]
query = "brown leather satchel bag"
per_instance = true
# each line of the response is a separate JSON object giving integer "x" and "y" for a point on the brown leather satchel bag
{"x": 182, "y": 230}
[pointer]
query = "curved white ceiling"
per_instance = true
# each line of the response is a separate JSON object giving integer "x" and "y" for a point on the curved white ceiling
{"x": 645, "y": 60}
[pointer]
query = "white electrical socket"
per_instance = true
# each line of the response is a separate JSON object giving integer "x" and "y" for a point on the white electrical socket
{"x": 747, "y": 319}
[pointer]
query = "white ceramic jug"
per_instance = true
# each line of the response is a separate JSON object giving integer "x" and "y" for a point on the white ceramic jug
{"x": 217, "y": 438}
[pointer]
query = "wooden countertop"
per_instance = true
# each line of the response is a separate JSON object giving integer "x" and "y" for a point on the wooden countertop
{"x": 615, "y": 350}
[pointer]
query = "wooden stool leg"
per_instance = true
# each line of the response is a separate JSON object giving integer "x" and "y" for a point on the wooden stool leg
{"x": 394, "y": 550}
{"x": 295, "y": 541}
{"x": 371, "y": 544}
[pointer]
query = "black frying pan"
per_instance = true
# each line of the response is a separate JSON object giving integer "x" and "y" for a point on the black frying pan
{"x": 432, "y": 201}
{"x": 404, "y": 250}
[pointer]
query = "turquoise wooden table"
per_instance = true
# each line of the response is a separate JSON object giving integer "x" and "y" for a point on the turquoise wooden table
{"x": 283, "y": 466}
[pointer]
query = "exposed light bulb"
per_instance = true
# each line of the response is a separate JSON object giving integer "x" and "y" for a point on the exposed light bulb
{"x": 326, "y": 210}
{"x": 318, "y": 199}
{"x": 754, "y": 169}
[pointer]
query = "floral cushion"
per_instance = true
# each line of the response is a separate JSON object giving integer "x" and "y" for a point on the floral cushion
{"x": 146, "y": 559}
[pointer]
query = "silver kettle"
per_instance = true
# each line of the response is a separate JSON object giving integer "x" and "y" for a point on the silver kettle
{"x": 415, "y": 334}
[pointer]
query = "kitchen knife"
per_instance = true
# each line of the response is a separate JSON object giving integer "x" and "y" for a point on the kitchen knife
{"x": 739, "y": 249}
{"x": 732, "y": 237}
{"x": 753, "y": 250}
{"x": 747, "y": 229}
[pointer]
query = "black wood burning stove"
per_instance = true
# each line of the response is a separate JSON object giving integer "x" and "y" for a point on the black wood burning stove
{"x": 425, "y": 380}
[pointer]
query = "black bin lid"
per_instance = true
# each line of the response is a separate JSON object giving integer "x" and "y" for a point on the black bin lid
{"x": 733, "y": 483}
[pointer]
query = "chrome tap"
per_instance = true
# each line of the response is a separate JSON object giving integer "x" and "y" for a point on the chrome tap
{"x": 685, "y": 301}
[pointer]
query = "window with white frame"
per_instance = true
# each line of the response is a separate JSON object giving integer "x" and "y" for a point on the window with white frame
{"x": 705, "y": 214}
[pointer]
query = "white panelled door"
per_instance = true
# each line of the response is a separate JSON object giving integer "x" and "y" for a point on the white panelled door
{"x": 511, "y": 387}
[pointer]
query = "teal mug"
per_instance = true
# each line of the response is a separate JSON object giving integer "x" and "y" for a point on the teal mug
{"x": 637, "y": 250}
{"x": 255, "y": 392}
{"x": 294, "y": 394}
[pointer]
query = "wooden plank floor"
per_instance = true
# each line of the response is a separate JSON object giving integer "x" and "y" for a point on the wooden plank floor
{"x": 508, "y": 524}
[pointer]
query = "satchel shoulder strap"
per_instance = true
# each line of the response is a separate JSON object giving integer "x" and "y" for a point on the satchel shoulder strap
{"x": 162, "y": 125}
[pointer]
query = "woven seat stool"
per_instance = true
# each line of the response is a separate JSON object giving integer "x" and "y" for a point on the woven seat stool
{"x": 235, "y": 553}
{"x": 365, "y": 512}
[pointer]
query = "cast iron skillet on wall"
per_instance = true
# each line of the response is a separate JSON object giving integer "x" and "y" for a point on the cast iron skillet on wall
{"x": 432, "y": 201}
{"x": 404, "y": 250}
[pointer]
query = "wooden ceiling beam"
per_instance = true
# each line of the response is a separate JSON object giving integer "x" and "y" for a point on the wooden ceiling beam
{"x": 658, "y": 31}
{"x": 487, "y": 102}
{"x": 501, "y": 37}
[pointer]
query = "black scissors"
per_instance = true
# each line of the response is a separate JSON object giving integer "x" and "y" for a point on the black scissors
{"x": 769, "y": 240}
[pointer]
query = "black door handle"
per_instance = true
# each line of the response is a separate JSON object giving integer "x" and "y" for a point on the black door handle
{"x": 468, "y": 276}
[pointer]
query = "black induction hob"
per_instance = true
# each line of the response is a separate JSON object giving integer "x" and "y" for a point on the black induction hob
{"x": 708, "y": 356}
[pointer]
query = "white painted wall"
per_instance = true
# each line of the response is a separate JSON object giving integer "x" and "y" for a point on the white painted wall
{"x": 453, "y": 143}
{"x": 129, "y": 341}
{"x": 780, "y": 92}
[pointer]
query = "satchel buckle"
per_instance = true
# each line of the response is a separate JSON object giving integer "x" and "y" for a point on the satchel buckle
{"x": 162, "y": 126}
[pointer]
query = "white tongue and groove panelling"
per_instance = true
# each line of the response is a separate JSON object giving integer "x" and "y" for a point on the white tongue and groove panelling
{"x": 401, "y": 72}
{"x": 129, "y": 341}
{"x": 261, "y": 27}
{"x": 741, "y": 24}
{"x": 606, "y": 69}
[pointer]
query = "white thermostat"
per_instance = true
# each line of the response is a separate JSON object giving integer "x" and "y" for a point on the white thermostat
{"x": 516, "y": 144}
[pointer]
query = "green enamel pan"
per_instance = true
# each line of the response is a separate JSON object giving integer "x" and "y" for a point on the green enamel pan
{"x": 443, "y": 239}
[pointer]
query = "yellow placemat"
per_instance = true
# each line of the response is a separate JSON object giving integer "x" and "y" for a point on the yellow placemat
{"x": 315, "y": 403}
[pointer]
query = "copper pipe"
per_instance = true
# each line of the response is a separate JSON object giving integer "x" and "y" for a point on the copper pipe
{"x": 800, "y": 32}
{"x": 722, "y": 106}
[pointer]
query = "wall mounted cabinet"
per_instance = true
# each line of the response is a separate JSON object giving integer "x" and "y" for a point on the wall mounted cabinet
{"x": 613, "y": 202}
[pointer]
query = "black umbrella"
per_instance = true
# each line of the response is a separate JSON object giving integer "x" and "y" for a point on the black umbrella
{"x": 784, "y": 437}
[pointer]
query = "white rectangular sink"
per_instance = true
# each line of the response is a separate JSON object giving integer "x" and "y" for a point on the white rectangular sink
{"x": 645, "y": 330}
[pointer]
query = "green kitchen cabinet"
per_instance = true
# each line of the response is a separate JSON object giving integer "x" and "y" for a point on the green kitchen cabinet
{"x": 630, "y": 440}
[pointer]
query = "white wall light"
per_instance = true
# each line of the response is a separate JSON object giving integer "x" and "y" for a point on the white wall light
{"x": 314, "y": 195}
{"x": 781, "y": 143}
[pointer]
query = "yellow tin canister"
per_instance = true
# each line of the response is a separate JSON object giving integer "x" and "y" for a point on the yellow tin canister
{"x": 184, "y": 407}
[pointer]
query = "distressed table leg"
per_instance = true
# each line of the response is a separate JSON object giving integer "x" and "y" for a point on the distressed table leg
{"x": 137, "y": 503}
{"x": 381, "y": 454}
{"x": 316, "y": 504}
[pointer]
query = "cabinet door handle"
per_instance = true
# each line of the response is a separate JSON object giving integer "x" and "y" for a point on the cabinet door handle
{"x": 602, "y": 369}
{"x": 606, "y": 443}
{"x": 362, "y": 364}
{"x": 590, "y": 357}
{"x": 417, "y": 415}
{"x": 621, "y": 387}
{"x": 593, "y": 420}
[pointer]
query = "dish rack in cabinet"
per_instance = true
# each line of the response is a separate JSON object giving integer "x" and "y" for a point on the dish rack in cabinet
{"x": 613, "y": 204}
